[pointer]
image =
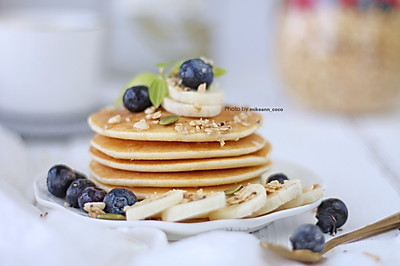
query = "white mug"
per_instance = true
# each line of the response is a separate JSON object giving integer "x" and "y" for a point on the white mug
{"x": 50, "y": 62}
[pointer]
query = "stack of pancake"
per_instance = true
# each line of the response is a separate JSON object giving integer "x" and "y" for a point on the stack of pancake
{"x": 133, "y": 150}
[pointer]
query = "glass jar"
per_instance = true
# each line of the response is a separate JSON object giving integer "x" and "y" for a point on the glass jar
{"x": 341, "y": 55}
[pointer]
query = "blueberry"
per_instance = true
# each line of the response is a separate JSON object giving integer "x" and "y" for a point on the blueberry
{"x": 59, "y": 178}
{"x": 331, "y": 214}
{"x": 308, "y": 236}
{"x": 279, "y": 177}
{"x": 136, "y": 98}
{"x": 91, "y": 194}
{"x": 117, "y": 199}
{"x": 194, "y": 72}
{"x": 75, "y": 189}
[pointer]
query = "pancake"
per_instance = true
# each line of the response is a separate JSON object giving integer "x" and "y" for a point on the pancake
{"x": 111, "y": 176}
{"x": 165, "y": 150}
{"x": 120, "y": 123}
{"x": 256, "y": 158}
{"x": 142, "y": 192}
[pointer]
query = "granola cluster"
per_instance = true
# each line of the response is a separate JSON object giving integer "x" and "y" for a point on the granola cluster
{"x": 208, "y": 126}
{"x": 241, "y": 196}
{"x": 189, "y": 197}
{"x": 273, "y": 186}
{"x": 94, "y": 208}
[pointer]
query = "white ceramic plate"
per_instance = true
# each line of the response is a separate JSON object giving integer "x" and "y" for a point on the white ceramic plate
{"x": 176, "y": 230}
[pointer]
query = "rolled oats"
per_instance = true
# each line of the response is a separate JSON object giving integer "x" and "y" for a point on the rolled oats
{"x": 197, "y": 106}
{"x": 222, "y": 142}
{"x": 236, "y": 119}
{"x": 156, "y": 115}
{"x": 180, "y": 128}
{"x": 202, "y": 88}
{"x": 150, "y": 110}
{"x": 114, "y": 119}
{"x": 225, "y": 128}
{"x": 141, "y": 125}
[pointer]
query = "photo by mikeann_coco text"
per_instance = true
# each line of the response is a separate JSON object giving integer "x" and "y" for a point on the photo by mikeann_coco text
{"x": 253, "y": 109}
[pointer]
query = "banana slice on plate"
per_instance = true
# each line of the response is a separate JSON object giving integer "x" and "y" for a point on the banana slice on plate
{"x": 309, "y": 195}
{"x": 242, "y": 204}
{"x": 312, "y": 194}
{"x": 191, "y": 110}
{"x": 153, "y": 205}
{"x": 212, "y": 96}
{"x": 194, "y": 205}
{"x": 278, "y": 194}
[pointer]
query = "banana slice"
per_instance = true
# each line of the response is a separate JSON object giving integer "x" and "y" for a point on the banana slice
{"x": 312, "y": 193}
{"x": 298, "y": 201}
{"x": 153, "y": 205}
{"x": 242, "y": 204}
{"x": 278, "y": 194}
{"x": 194, "y": 205}
{"x": 191, "y": 110}
{"x": 212, "y": 96}
{"x": 309, "y": 195}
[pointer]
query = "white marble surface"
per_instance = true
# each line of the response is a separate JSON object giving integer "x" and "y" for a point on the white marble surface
{"x": 357, "y": 157}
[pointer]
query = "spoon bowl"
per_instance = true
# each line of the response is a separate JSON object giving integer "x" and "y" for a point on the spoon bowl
{"x": 301, "y": 255}
{"x": 307, "y": 256}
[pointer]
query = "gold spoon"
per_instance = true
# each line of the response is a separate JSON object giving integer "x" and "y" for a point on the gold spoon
{"x": 305, "y": 255}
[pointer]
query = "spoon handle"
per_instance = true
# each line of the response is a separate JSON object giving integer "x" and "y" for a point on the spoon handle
{"x": 367, "y": 231}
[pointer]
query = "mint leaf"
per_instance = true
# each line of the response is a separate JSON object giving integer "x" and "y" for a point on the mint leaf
{"x": 157, "y": 91}
{"x": 162, "y": 66}
{"x": 219, "y": 72}
{"x": 145, "y": 78}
